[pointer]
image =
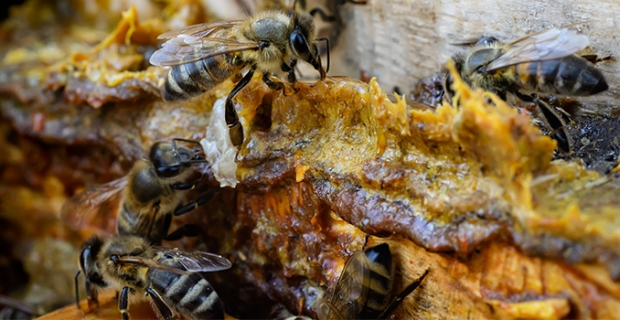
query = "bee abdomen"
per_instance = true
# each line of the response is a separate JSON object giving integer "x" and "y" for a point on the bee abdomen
{"x": 377, "y": 296}
{"x": 380, "y": 286}
{"x": 190, "y": 294}
{"x": 202, "y": 302}
{"x": 536, "y": 76}
{"x": 577, "y": 77}
{"x": 192, "y": 79}
{"x": 571, "y": 75}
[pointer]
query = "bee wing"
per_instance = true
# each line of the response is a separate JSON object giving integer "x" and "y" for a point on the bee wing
{"x": 326, "y": 310}
{"x": 151, "y": 264}
{"x": 197, "y": 261}
{"x": 197, "y": 42}
{"x": 546, "y": 45}
{"x": 84, "y": 210}
{"x": 200, "y": 30}
{"x": 351, "y": 290}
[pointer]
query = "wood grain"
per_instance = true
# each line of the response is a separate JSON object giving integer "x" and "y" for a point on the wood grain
{"x": 403, "y": 41}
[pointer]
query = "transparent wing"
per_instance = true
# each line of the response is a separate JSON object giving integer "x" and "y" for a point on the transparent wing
{"x": 197, "y": 261}
{"x": 199, "y": 30}
{"x": 545, "y": 45}
{"x": 151, "y": 264}
{"x": 94, "y": 207}
{"x": 325, "y": 310}
{"x": 198, "y": 42}
{"x": 351, "y": 290}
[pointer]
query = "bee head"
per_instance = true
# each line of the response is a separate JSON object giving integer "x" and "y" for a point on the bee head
{"x": 485, "y": 51}
{"x": 114, "y": 259}
{"x": 487, "y": 42}
{"x": 125, "y": 246}
{"x": 302, "y": 41}
{"x": 169, "y": 161}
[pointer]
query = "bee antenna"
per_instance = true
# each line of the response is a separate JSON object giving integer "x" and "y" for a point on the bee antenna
{"x": 77, "y": 291}
{"x": 327, "y": 45}
{"x": 303, "y": 4}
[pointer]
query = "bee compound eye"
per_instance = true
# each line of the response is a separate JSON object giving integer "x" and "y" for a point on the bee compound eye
{"x": 84, "y": 257}
{"x": 299, "y": 44}
{"x": 114, "y": 258}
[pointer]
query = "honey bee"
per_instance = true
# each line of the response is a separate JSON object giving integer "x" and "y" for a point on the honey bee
{"x": 205, "y": 55}
{"x": 364, "y": 288}
{"x": 544, "y": 62}
{"x": 169, "y": 276}
{"x": 151, "y": 195}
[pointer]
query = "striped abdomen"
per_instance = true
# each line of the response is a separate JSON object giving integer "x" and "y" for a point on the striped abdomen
{"x": 381, "y": 275}
{"x": 191, "y": 79}
{"x": 571, "y": 75}
{"x": 189, "y": 295}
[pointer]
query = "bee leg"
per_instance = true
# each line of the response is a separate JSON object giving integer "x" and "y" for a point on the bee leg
{"x": 202, "y": 199}
{"x": 235, "y": 130}
{"x": 93, "y": 296}
{"x": 556, "y": 124}
{"x": 77, "y": 290}
{"x": 272, "y": 83}
{"x": 322, "y": 14}
{"x": 398, "y": 299}
{"x": 553, "y": 121}
{"x": 188, "y": 185}
{"x": 188, "y": 230}
{"x": 122, "y": 303}
{"x": 174, "y": 141}
{"x": 163, "y": 310}
{"x": 290, "y": 69}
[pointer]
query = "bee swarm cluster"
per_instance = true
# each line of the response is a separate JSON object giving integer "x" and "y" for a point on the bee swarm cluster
{"x": 248, "y": 196}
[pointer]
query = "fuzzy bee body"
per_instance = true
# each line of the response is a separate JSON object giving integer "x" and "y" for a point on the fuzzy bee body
{"x": 144, "y": 189}
{"x": 190, "y": 294}
{"x": 543, "y": 62}
{"x": 365, "y": 287}
{"x": 570, "y": 75}
{"x": 380, "y": 281}
{"x": 192, "y": 79}
{"x": 204, "y": 55}
{"x": 150, "y": 195}
{"x": 168, "y": 276}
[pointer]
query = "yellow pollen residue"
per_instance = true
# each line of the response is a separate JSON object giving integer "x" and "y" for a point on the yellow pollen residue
{"x": 124, "y": 30}
{"x": 300, "y": 170}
